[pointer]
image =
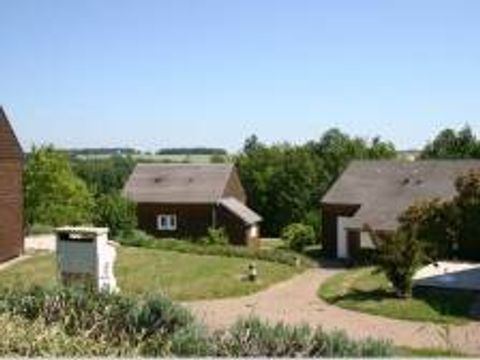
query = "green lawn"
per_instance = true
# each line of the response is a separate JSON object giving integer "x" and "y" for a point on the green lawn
{"x": 367, "y": 291}
{"x": 180, "y": 276}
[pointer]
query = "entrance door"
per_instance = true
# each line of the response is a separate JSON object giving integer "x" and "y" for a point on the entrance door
{"x": 342, "y": 245}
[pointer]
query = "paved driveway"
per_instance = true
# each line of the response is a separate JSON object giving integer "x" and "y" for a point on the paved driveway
{"x": 295, "y": 302}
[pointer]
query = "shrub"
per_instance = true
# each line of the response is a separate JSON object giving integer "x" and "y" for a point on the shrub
{"x": 298, "y": 236}
{"x": 399, "y": 256}
{"x": 146, "y": 324}
{"x": 286, "y": 257}
{"x": 117, "y": 213}
{"x": 54, "y": 195}
{"x": 41, "y": 229}
{"x": 215, "y": 237}
{"x": 21, "y": 337}
{"x": 75, "y": 322}
{"x": 433, "y": 221}
{"x": 137, "y": 238}
{"x": 254, "y": 338}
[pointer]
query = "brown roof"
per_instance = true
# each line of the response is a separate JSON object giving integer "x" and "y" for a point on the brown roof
{"x": 9, "y": 146}
{"x": 384, "y": 189}
{"x": 239, "y": 209}
{"x": 178, "y": 183}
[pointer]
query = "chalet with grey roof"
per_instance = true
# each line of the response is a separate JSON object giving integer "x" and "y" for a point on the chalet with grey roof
{"x": 11, "y": 192}
{"x": 184, "y": 200}
{"x": 377, "y": 193}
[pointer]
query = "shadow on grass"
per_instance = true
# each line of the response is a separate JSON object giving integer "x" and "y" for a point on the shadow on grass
{"x": 444, "y": 303}
{"x": 358, "y": 296}
{"x": 456, "y": 303}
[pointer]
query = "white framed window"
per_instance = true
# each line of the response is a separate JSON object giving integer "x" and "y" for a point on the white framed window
{"x": 167, "y": 222}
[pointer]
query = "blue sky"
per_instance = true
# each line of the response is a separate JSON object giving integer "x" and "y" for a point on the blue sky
{"x": 157, "y": 73}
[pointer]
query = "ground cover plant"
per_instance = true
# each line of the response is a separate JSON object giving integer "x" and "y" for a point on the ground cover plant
{"x": 368, "y": 290}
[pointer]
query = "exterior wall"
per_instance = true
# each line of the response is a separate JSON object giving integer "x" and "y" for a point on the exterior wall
{"x": 193, "y": 220}
{"x": 366, "y": 241}
{"x": 236, "y": 229}
{"x": 11, "y": 208}
{"x": 234, "y": 188}
{"x": 330, "y": 214}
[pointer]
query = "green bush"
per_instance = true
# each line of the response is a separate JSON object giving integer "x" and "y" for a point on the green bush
{"x": 54, "y": 195}
{"x": 41, "y": 229}
{"x": 254, "y": 338}
{"x": 298, "y": 236}
{"x": 215, "y": 237}
{"x": 399, "y": 256}
{"x": 140, "y": 239}
{"x": 137, "y": 238}
{"x": 117, "y": 213}
{"x": 22, "y": 337}
{"x": 146, "y": 324}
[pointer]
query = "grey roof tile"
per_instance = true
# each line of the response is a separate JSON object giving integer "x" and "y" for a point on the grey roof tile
{"x": 386, "y": 188}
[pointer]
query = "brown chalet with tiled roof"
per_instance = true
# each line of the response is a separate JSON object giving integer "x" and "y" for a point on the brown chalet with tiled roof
{"x": 11, "y": 192}
{"x": 185, "y": 200}
{"x": 377, "y": 192}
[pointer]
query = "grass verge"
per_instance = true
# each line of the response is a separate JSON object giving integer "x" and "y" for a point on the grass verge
{"x": 180, "y": 276}
{"x": 368, "y": 291}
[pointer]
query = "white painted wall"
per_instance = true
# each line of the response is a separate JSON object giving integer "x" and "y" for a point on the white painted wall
{"x": 366, "y": 241}
{"x": 342, "y": 244}
{"x": 253, "y": 232}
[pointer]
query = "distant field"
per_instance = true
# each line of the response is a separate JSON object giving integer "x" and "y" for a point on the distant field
{"x": 194, "y": 158}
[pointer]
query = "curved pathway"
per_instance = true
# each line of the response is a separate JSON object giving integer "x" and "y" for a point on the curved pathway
{"x": 295, "y": 301}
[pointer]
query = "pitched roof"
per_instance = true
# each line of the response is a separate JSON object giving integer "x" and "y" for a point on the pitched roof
{"x": 178, "y": 183}
{"x": 9, "y": 146}
{"x": 240, "y": 210}
{"x": 384, "y": 189}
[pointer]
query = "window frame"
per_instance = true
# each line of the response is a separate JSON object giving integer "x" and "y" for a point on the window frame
{"x": 167, "y": 222}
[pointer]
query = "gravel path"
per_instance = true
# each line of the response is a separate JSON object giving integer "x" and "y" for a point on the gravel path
{"x": 295, "y": 301}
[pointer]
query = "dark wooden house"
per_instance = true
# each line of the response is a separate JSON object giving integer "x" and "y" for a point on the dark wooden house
{"x": 11, "y": 192}
{"x": 377, "y": 193}
{"x": 185, "y": 200}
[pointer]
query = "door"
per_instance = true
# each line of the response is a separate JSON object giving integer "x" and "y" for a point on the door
{"x": 342, "y": 244}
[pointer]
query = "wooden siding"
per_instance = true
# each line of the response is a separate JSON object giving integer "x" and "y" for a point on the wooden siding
{"x": 193, "y": 220}
{"x": 234, "y": 227}
{"x": 11, "y": 193}
{"x": 234, "y": 187}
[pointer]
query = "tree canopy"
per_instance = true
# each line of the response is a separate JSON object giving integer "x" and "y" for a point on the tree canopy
{"x": 54, "y": 195}
{"x": 104, "y": 176}
{"x": 285, "y": 183}
{"x": 451, "y": 144}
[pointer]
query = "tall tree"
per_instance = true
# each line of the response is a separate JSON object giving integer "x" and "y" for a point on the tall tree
{"x": 104, "y": 176}
{"x": 450, "y": 144}
{"x": 53, "y": 194}
{"x": 285, "y": 183}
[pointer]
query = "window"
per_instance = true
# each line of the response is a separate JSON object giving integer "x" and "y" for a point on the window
{"x": 167, "y": 222}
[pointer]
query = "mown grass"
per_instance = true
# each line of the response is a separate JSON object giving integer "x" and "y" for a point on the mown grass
{"x": 180, "y": 276}
{"x": 367, "y": 290}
